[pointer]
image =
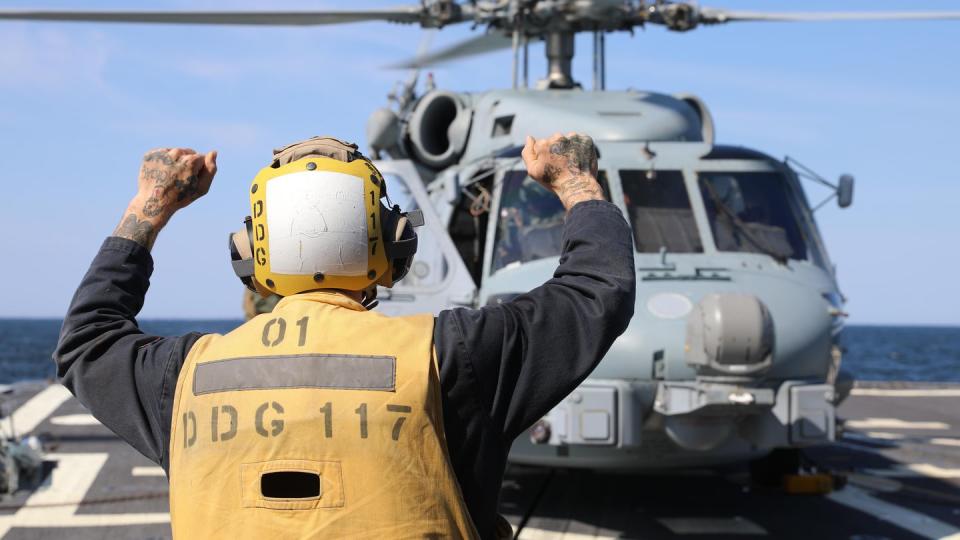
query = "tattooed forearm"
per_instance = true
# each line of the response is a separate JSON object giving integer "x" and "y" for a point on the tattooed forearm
{"x": 578, "y": 189}
{"x": 141, "y": 231}
{"x": 579, "y": 185}
{"x": 153, "y": 207}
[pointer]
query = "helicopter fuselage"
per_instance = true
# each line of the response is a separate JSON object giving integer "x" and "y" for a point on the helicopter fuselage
{"x": 712, "y": 224}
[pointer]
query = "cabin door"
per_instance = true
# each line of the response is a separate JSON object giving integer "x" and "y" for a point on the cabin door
{"x": 438, "y": 278}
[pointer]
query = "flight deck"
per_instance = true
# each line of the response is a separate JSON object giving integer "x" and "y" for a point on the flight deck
{"x": 899, "y": 452}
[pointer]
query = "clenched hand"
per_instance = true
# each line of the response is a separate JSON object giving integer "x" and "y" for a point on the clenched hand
{"x": 566, "y": 165}
{"x": 170, "y": 179}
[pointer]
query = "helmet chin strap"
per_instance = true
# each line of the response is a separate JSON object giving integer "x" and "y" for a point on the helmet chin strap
{"x": 368, "y": 297}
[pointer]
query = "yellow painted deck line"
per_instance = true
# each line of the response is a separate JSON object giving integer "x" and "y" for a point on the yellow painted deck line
{"x": 32, "y": 413}
{"x": 893, "y": 423}
{"x": 898, "y": 516}
{"x": 906, "y": 392}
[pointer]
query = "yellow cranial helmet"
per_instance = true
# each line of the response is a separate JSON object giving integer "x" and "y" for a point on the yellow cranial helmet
{"x": 321, "y": 219}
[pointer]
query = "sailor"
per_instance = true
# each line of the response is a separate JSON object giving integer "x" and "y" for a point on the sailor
{"x": 256, "y": 304}
{"x": 324, "y": 418}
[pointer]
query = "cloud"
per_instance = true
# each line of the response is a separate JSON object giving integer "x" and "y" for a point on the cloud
{"x": 49, "y": 59}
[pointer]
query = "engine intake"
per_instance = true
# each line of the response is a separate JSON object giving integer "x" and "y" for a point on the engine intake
{"x": 438, "y": 128}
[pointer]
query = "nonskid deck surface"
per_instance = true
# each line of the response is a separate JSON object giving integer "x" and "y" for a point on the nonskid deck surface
{"x": 902, "y": 442}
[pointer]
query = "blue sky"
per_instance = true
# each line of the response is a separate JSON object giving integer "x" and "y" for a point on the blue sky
{"x": 79, "y": 105}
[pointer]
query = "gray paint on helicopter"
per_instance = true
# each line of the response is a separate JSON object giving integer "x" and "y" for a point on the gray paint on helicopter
{"x": 649, "y": 403}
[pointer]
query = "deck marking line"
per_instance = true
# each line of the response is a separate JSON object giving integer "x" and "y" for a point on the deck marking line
{"x": 906, "y": 392}
{"x": 68, "y": 483}
{"x": 148, "y": 471}
{"x": 84, "y": 419}
{"x": 874, "y": 483}
{"x": 945, "y": 441}
{"x": 702, "y": 525}
{"x": 533, "y": 533}
{"x": 898, "y": 516}
{"x": 32, "y": 413}
{"x": 871, "y": 438}
{"x": 893, "y": 423}
{"x": 885, "y": 436}
{"x": 93, "y": 520}
{"x": 917, "y": 470}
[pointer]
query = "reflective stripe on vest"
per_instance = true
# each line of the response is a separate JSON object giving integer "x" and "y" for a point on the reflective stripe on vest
{"x": 318, "y": 420}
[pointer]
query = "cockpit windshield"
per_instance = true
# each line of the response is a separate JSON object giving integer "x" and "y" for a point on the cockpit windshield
{"x": 754, "y": 212}
{"x": 660, "y": 213}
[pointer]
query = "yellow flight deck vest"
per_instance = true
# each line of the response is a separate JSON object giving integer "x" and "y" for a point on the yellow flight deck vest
{"x": 318, "y": 420}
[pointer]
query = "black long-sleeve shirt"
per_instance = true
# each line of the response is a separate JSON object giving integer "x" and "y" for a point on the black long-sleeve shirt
{"x": 501, "y": 367}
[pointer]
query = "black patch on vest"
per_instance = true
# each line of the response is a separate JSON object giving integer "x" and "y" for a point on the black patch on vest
{"x": 339, "y": 371}
{"x": 290, "y": 485}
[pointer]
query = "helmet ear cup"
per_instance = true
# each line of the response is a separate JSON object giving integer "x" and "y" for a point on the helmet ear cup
{"x": 240, "y": 244}
{"x": 404, "y": 233}
{"x": 400, "y": 244}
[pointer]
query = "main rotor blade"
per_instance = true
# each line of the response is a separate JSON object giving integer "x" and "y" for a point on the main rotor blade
{"x": 715, "y": 16}
{"x": 473, "y": 46}
{"x": 403, "y": 14}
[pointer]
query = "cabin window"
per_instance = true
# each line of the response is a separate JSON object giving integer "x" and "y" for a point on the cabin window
{"x": 659, "y": 209}
{"x": 753, "y": 212}
{"x": 429, "y": 266}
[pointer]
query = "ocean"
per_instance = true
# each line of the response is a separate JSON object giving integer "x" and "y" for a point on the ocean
{"x": 873, "y": 353}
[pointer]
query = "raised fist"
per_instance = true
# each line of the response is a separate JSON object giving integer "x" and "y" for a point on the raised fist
{"x": 566, "y": 165}
{"x": 172, "y": 178}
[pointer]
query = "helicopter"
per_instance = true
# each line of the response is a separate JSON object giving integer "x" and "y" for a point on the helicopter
{"x": 734, "y": 350}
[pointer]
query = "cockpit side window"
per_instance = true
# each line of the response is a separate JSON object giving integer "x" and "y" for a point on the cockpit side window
{"x": 530, "y": 221}
{"x": 753, "y": 212}
{"x": 659, "y": 209}
{"x": 530, "y": 224}
{"x": 468, "y": 223}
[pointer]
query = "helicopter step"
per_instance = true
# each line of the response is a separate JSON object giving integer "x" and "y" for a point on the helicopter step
{"x": 898, "y": 450}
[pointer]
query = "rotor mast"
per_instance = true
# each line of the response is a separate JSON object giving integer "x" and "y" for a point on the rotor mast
{"x": 559, "y": 46}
